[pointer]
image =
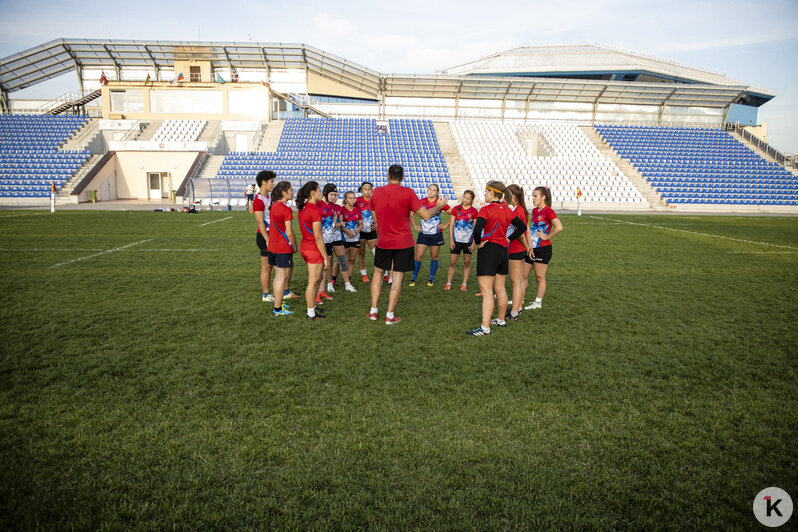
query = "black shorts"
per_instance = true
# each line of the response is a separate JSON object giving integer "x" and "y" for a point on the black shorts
{"x": 250, "y": 197}
{"x": 281, "y": 260}
{"x": 542, "y": 255}
{"x": 329, "y": 247}
{"x": 520, "y": 255}
{"x": 264, "y": 250}
{"x": 430, "y": 240}
{"x": 371, "y": 235}
{"x": 398, "y": 260}
{"x": 492, "y": 259}
{"x": 348, "y": 245}
{"x": 461, "y": 247}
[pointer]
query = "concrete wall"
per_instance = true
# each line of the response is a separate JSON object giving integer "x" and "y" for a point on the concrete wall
{"x": 184, "y": 67}
{"x": 320, "y": 85}
{"x": 760, "y": 131}
{"x": 128, "y": 170}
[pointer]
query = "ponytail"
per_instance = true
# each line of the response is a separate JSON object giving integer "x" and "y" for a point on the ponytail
{"x": 518, "y": 194}
{"x": 303, "y": 195}
{"x": 277, "y": 192}
{"x": 546, "y": 194}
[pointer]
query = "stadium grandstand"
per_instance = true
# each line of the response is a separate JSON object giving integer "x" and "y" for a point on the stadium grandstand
{"x": 159, "y": 120}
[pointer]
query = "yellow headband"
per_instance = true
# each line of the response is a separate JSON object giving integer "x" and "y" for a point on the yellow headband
{"x": 495, "y": 190}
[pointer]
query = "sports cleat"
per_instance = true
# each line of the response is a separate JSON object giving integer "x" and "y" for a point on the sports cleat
{"x": 386, "y": 278}
{"x": 365, "y": 278}
{"x": 330, "y": 287}
{"x": 463, "y": 287}
{"x": 373, "y": 316}
{"x": 498, "y": 323}
{"x": 430, "y": 283}
{"x": 319, "y": 301}
{"x": 391, "y": 321}
{"x": 350, "y": 288}
{"x": 288, "y": 294}
{"x": 319, "y": 310}
{"x": 412, "y": 283}
{"x": 324, "y": 295}
{"x": 268, "y": 297}
{"x": 316, "y": 317}
{"x": 513, "y": 318}
{"x": 479, "y": 331}
{"x": 510, "y": 303}
{"x": 447, "y": 286}
{"x": 286, "y": 306}
{"x": 478, "y": 294}
{"x": 281, "y": 312}
{"x": 534, "y": 305}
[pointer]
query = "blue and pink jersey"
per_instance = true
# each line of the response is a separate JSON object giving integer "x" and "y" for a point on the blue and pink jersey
{"x": 430, "y": 227}
{"x": 329, "y": 213}
{"x": 464, "y": 223}
{"x": 365, "y": 210}
{"x": 351, "y": 220}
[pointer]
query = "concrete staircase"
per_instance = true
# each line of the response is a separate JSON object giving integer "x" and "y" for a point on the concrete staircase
{"x": 759, "y": 151}
{"x": 653, "y": 197}
{"x": 208, "y": 131}
{"x": 271, "y": 138}
{"x": 150, "y": 130}
{"x": 211, "y": 165}
{"x": 458, "y": 171}
{"x": 63, "y": 196}
{"x": 81, "y": 138}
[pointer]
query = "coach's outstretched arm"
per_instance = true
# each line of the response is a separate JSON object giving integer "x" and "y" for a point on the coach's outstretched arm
{"x": 426, "y": 214}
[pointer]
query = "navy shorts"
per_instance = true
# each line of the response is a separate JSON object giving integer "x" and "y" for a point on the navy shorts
{"x": 520, "y": 255}
{"x": 371, "y": 235}
{"x": 430, "y": 240}
{"x": 461, "y": 247}
{"x": 281, "y": 260}
{"x": 264, "y": 250}
{"x": 398, "y": 260}
{"x": 492, "y": 259}
{"x": 348, "y": 245}
{"x": 542, "y": 255}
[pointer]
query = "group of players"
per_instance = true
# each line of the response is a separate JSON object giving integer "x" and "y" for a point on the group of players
{"x": 335, "y": 236}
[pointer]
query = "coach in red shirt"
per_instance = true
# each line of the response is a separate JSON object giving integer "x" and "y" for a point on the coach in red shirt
{"x": 392, "y": 205}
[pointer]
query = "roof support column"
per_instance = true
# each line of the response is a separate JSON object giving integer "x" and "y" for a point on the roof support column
{"x": 457, "y": 99}
{"x": 526, "y": 106}
{"x": 116, "y": 64}
{"x": 4, "y": 100}
{"x": 504, "y": 100}
{"x": 662, "y": 106}
{"x": 78, "y": 69}
{"x": 154, "y": 64}
{"x": 595, "y": 102}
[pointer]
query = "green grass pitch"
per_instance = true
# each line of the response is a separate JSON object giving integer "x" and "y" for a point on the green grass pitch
{"x": 148, "y": 386}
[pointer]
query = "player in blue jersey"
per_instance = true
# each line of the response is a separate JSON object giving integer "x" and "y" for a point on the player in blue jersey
{"x": 461, "y": 238}
{"x": 368, "y": 235}
{"x": 430, "y": 235}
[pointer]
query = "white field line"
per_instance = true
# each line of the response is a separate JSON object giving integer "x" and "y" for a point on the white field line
{"x": 697, "y": 233}
{"x": 214, "y": 221}
{"x": 101, "y": 253}
{"x": 766, "y": 252}
{"x": 177, "y": 250}
{"x": 25, "y": 250}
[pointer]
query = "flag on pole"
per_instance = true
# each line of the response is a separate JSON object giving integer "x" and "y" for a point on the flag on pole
{"x": 219, "y": 78}
{"x": 178, "y": 79}
{"x": 103, "y": 79}
{"x": 52, "y": 187}
{"x": 148, "y": 79}
{"x": 264, "y": 83}
{"x": 578, "y": 192}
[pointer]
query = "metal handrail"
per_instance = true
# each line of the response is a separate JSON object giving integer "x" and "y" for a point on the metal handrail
{"x": 779, "y": 157}
{"x": 65, "y": 98}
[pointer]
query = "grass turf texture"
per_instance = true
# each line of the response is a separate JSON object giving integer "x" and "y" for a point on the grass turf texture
{"x": 655, "y": 389}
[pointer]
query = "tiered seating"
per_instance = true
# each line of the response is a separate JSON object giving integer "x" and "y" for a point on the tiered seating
{"x": 180, "y": 130}
{"x": 708, "y": 166}
{"x": 29, "y": 157}
{"x": 347, "y": 152}
{"x": 494, "y": 150}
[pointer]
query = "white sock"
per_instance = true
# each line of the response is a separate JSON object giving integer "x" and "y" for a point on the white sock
{"x": 486, "y": 329}
{"x": 373, "y": 250}
{"x": 347, "y": 285}
{"x": 389, "y": 315}
{"x": 500, "y": 322}
{"x": 538, "y": 300}
{"x": 311, "y": 312}
{"x": 329, "y": 286}
{"x": 363, "y": 272}
{"x": 513, "y": 314}
{"x": 373, "y": 310}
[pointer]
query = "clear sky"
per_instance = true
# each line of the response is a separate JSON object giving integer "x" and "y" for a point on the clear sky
{"x": 755, "y": 43}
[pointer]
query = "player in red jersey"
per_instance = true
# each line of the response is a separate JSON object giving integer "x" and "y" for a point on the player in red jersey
{"x": 260, "y": 205}
{"x": 544, "y": 225}
{"x": 461, "y": 238}
{"x": 392, "y": 205}
{"x": 283, "y": 242}
{"x": 492, "y": 258}
{"x": 518, "y": 250}
{"x": 312, "y": 247}
{"x": 352, "y": 220}
{"x": 430, "y": 235}
{"x": 369, "y": 233}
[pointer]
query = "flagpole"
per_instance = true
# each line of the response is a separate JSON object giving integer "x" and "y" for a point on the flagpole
{"x": 579, "y": 201}
{"x": 52, "y": 197}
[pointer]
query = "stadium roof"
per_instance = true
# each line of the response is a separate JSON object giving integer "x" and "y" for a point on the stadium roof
{"x": 60, "y": 56}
